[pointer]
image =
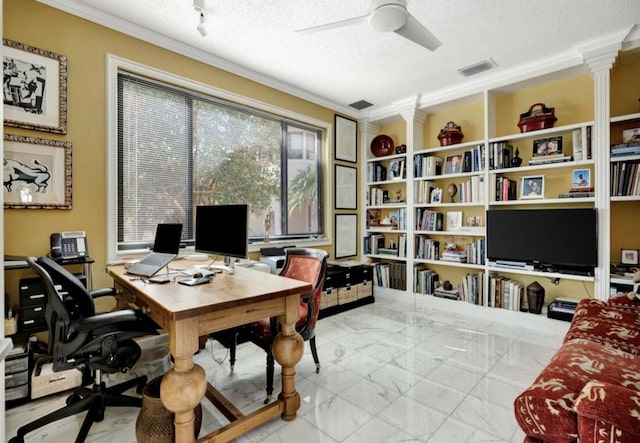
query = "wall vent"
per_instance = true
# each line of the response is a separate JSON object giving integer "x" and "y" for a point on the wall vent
{"x": 477, "y": 68}
{"x": 360, "y": 105}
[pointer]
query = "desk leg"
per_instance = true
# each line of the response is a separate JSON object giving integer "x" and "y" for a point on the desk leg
{"x": 184, "y": 386}
{"x": 288, "y": 347}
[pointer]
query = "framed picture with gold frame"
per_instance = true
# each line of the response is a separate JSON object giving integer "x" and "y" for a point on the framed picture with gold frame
{"x": 35, "y": 88}
{"x": 37, "y": 173}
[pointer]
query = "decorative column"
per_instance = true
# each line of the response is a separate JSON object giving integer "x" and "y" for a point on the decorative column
{"x": 600, "y": 58}
{"x": 367, "y": 133}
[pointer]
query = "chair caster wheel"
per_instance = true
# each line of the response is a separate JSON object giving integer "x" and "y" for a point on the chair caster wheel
{"x": 73, "y": 398}
{"x": 17, "y": 440}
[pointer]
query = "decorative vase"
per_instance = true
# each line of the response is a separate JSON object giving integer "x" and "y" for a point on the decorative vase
{"x": 535, "y": 297}
{"x": 452, "y": 190}
{"x": 155, "y": 422}
{"x": 382, "y": 145}
{"x": 516, "y": 160}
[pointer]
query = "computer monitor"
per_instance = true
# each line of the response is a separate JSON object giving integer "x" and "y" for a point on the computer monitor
{"x": 223, "y": 230}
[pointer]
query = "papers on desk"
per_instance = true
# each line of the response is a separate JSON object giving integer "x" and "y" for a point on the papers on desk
{"x": 13, "y": 262}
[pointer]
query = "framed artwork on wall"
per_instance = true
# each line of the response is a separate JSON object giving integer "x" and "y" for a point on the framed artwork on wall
{"x": 346, "y": 235}
{"x": 346, "y": 186}
{"x": 37, "y": 173}
{"x": 346, "y": 138}
{"x": 34, "y": 88}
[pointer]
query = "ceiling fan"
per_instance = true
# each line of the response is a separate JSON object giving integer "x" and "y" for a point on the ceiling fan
{"x": 387, "y": 16}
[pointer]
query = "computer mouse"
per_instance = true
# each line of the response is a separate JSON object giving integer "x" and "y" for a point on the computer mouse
{"x": 197, "y": 275}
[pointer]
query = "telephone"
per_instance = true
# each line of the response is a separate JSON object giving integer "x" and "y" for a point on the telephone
{"x": 71, "y": 244}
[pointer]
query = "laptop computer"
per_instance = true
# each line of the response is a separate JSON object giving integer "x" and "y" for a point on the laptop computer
{"x": 165, "y": 249}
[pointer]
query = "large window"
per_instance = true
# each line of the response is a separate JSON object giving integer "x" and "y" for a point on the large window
{"x": 178, "y": 149}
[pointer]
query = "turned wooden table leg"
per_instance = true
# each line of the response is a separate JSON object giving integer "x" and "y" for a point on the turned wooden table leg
{"x": 184, "y": 386}
{"x": 288, "y": 347}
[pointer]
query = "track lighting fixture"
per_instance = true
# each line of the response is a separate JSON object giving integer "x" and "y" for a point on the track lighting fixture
{"x": 202, "y": 27}
{"x": 198, "y": 5}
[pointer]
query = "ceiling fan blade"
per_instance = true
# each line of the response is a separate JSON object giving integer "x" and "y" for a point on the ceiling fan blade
{"x": 414, "y": 30}
{"x": 338, "y": 24}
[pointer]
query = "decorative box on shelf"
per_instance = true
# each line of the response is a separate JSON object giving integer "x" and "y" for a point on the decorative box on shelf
{"x": 451, "y": 134}
{"x": 537, "y": 117}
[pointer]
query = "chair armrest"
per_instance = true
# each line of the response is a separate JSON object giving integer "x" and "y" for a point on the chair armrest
{"x": 102, "y": 292}
{"x": 605, "y": 409}
{"x": 100, "y": 320}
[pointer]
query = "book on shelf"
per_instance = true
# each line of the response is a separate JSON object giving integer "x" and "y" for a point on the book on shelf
{"x": 576, "y": 137}
{"x": 578, "y": 194}
{"x": 388, "y": 251}
{"x": 547, "y": 159}
{"x": 455, "y": 256}
{"x": 451, "y": 294}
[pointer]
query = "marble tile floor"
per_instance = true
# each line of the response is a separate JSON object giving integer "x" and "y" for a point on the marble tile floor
{"x": 398, "y": 370}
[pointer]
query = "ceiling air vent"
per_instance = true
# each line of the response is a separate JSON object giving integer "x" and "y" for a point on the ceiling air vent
{"x": 477, "y": 68}
{"x": 360, "y": 105}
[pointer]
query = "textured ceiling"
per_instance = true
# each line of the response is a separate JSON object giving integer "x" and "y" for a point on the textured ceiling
{"x": 344, "y": 65}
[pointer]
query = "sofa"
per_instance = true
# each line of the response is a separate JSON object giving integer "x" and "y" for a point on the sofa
{"x": 590, "y": 389}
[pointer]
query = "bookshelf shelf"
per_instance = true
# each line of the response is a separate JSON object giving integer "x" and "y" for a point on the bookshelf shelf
{"x": 463, "y": 233}
{"x": 546, "y": 201}
{"x": 449, "y": 263}
{"x": 550, "y": 275}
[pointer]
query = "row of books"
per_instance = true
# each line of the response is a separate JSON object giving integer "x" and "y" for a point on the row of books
{"x": 475, "y": 251}
{"x": 429, "y": 220}
{"x": 472, "y": 190}
{"x": 505, "y": 189}
{"x": 376, "y": 172}
{"x": 500, "y": 155}
{"x": 625, "y": 178}
{"x": 470, "y": 289}
{"x": 506, "y": 293}
{"x": 581, "y": 149}
{"x": 390, "y": 275}
{"x": 374, "y": 244}
{"x": 426, "y": 165}
{"x": 422, "y": 190}
{"x": 425, "y": 280}
{"x": 427, "y": 248}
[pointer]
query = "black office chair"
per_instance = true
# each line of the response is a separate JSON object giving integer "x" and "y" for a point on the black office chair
{"x": 81, "y": 339}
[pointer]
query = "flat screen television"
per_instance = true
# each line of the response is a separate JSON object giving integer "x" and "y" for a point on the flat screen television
{"x": 557, "y": 239}
{"x": 222, "y": 230}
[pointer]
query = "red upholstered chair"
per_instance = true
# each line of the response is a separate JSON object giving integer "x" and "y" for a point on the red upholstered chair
{"x": 303, "y": 264}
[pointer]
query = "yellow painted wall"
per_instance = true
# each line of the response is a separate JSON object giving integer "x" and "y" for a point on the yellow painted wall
{"x": 572, "y": 99}
{"x": 469, "y": 117}
{"x": 625, "y": 84}
{"x": 85, "y": 45}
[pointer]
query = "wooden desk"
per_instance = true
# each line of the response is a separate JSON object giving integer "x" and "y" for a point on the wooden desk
{"x": 186, "y": 313}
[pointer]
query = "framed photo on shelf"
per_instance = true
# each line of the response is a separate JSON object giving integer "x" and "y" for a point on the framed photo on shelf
{"x": 629, "y": 256}
{"x": 436, "y": 195}
{"x": 396, "y": 170}
{"x": 346, "y": 186}
{"x": 37, "y": 173}
{"x": 346, "y": 139}
{"x": 547, "y": 146}
{"x": 346, "y": 241}
{"x": 453, "y": 164}
{"x": 581, "y": 178}
{"x": 454, "y": 220}
{"x": 532, "y": 186}
{"x": 35, "y": 88}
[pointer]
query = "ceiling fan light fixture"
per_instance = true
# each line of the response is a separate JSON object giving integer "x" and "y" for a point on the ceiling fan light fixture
{"x": 388, "y": 18}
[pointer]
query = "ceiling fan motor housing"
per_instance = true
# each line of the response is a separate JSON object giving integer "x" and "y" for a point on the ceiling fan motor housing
{"x": 388, "y": 15}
